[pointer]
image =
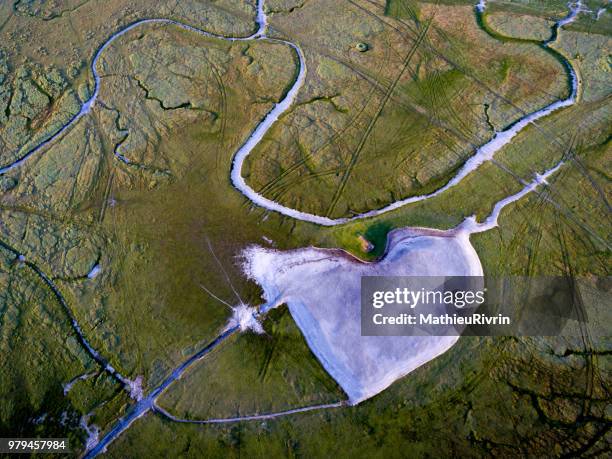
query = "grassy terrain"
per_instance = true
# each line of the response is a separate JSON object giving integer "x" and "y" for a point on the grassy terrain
{"x": 399, "y": 119}
{"x": 254, "y": 374}
{"x": 520, "y": 25}
{"x": 594, "y": 21}
{"x": 554, "y": 9}
{"x": 481, "y": 398}
{"x": 178, "y": 106}
{"x": 41, "y": 354}
{"x": 158, "y": 226}
{"x": 46, "y": 48}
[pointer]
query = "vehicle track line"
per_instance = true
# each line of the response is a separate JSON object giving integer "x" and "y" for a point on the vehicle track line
{"x": 372, "y": 123}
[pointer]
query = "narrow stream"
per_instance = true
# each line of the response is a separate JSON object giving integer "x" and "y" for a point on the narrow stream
{"x": 482, "y": 154}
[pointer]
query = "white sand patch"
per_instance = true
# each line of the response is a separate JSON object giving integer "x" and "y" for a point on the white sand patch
{"x": 245, "y": 317}
{"x": 268, "y": 240}
{"x": 322, "y": 289}
{"x": 93, "y": 432}
{"x": 134, "y": 387}
{"x": 94, "y": 271}
{"x": 600, "y": 11}
{"x": 574, "y": 9}
{"x": 470, "y": 225}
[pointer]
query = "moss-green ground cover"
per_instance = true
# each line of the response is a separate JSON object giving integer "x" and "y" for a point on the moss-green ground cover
{"x": 178, "y": 106}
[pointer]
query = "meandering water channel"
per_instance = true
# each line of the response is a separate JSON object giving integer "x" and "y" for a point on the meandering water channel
{"x": 484, "y": 153}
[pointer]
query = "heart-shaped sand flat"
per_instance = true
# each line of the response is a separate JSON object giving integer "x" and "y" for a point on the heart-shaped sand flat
{"x": 322, "y": 289}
